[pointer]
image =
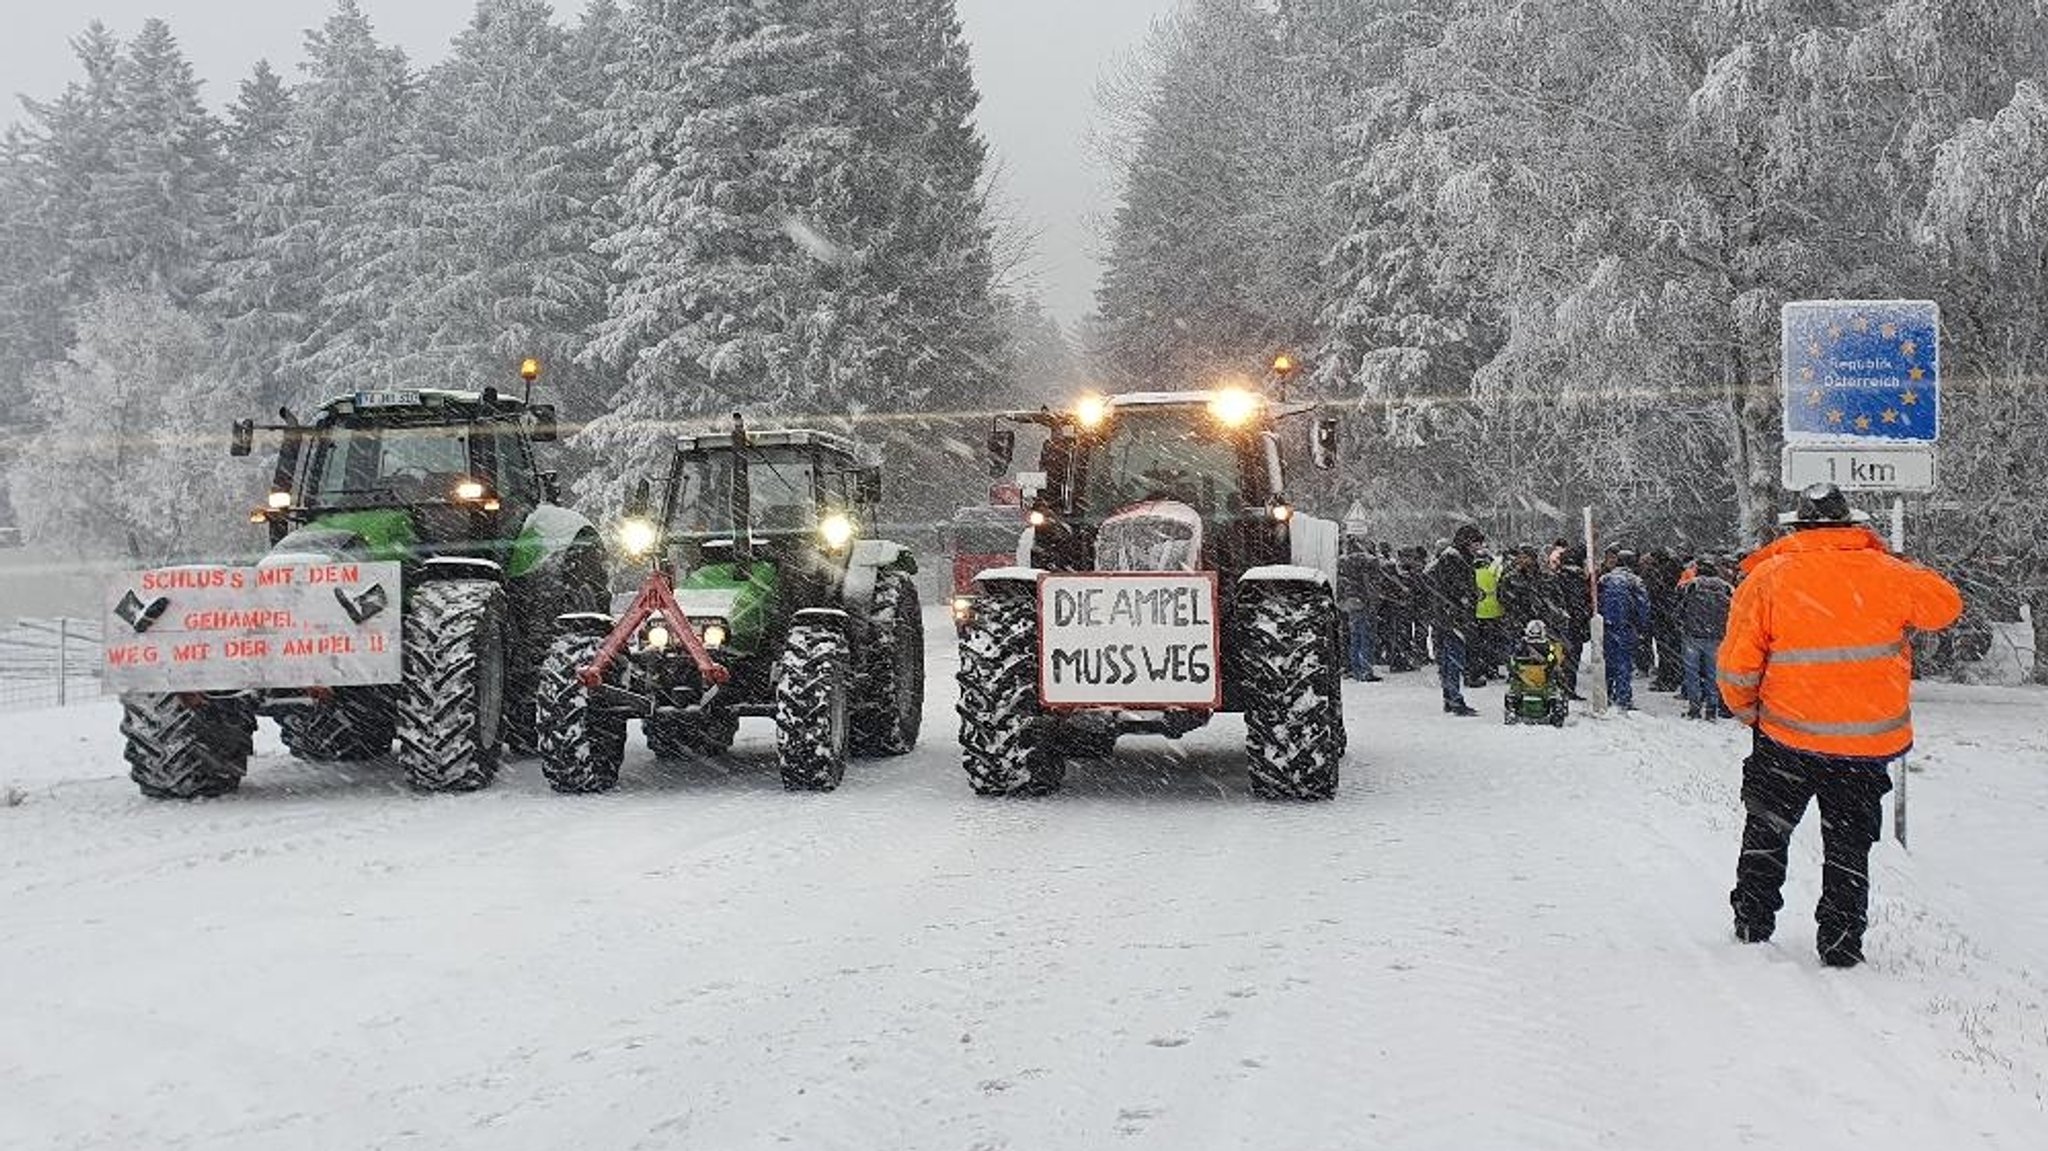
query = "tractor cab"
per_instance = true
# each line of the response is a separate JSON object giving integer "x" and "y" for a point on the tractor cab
{"x": 412, "y": 472}
{"x": 1193, "y": 479}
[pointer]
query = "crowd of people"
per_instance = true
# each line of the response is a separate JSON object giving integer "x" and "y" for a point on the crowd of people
{"x": 1807, "y": 642}
{"x": 1463, "y": 606}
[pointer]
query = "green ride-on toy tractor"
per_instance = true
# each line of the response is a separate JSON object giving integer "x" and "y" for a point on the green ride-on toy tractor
{"x": 446, "y": 484}
{"x": 764, "y": 596}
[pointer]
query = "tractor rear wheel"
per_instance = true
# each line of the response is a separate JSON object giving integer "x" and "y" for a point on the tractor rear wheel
{"x": 890, "y": 691}
{"x": 452, "y": 703}
{"x": 811, "y": 705}
{"x": 178, "y": 750}
{"x": 581, "y": 746}
{"x": 1006, "y": 746}
{"x": 1294, "y": 716}
{"x": 358, "y": 723}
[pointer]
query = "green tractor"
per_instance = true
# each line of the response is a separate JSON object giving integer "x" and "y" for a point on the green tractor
{"x": 446, "y": 485}
{"x": 764, "y": 596}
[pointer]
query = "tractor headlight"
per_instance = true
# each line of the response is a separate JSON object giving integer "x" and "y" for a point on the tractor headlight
{"x": 715, "y": 636}
{"x": 963, "y": 608}
{"x": 836, "y": 530}
{"x": 470, "y": 491}
{"x": 279, "y": 501}
{"x": 657, "y": 637}
{"x": 1091, "y": 412}
{"x": 637, "y": 536}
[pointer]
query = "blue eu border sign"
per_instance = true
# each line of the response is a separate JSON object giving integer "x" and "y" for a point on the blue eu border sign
{"x": 1862, "y": 372}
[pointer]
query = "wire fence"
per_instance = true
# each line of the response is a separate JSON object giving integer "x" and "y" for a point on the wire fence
{"x": 49, "y": 663}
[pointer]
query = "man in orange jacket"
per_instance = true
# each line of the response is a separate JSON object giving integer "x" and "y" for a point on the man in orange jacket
{"x": 1818, "y": 660}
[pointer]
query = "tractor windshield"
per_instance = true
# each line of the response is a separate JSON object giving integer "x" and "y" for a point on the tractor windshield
{"x": 1165, "y": 454}
{"x": 782, "y": 494}
{"x": 396, "y": 464}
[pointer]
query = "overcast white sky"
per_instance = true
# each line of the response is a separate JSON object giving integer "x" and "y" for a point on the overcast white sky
{"x": 1037, "y": 60}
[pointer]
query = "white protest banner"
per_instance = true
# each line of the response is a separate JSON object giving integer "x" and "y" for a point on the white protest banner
{"x": 1148, "y": 641}
{"x": 283, "y": 625}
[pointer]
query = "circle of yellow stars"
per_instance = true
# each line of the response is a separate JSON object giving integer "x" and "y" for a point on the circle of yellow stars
{"x": 1910, "y": 398}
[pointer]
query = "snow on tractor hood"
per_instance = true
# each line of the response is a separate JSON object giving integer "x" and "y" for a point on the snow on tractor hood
{"x": 1157, "y": 536}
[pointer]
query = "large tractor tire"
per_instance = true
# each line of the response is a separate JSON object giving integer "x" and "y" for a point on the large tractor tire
{"x": 358, "y": 723}
{"x": 581, "y": 746}
{"x": 1006, "y": 747}
{"x": 181, "y": 751}
{"x": 452, "y": 703}
{"x": 691, "y": 737}
{"x": 576, "y": 584}
{"x": 812, "y": 708}
{"x": 889, "y": 692}
{"x": 1294, "y": 714}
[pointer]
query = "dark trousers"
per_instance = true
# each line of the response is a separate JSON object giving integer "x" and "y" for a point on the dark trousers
{"x": 1777, "y": 784}
{"x": 1450, "y": 665}
{"x": 1364, "y": 642}
{"x": 1621, "y": 667}
{"x": 1574, "y": 647}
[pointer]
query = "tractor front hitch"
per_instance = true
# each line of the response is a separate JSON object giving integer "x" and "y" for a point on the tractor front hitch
{"x": 657, "y": 596}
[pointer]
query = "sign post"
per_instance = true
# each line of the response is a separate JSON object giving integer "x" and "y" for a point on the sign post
{"x": 1862, "y": 400}
{"x": 1595, "y": 666}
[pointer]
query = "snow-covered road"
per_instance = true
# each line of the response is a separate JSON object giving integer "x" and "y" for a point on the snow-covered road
{"x": 1494, "y": 938}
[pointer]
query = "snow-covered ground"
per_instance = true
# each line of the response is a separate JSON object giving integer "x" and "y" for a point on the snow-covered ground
{"x": 1494, "y": 938}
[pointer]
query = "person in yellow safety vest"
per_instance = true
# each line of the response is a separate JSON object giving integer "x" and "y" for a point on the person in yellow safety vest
{"x": 1818, "y": 660}
{"x": 1490, "y": 651}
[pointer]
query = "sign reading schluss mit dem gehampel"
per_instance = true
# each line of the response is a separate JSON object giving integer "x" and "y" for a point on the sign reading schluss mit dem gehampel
{"x": 283, "y": 625}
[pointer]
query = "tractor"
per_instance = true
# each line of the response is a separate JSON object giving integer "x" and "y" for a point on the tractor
{"x": 1170, "y": 579}
{"x": 764, "y": 596}
{"x": 446, "y": 485}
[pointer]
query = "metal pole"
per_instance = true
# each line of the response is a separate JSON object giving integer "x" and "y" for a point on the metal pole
{"x": 63, "y": 668}
{"x": 1905, "y": 766}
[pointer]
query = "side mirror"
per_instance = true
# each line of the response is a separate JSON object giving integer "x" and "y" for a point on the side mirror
{"x": 242, "y": 440}
{"x": 1002, "y": 447}
{"x": 545, "y": 427}
{"x": 551, "y": 486}
{"x": 1323, "y": 444}
{"x": 870, "y": 491}
{"x": 640, "y": 502}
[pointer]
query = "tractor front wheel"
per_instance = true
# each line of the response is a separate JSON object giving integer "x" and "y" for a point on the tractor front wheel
{"x": 1006, "y": 745}
{"x": 452, "y": 703}
{"x": 581, "y": 746}
{"x": 1294, "y": 717}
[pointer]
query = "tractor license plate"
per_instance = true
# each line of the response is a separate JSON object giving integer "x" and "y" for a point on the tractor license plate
{"x": 1129, "y": 640}
{"x": 387, "y": 399}
{"x": 281, "y": 625}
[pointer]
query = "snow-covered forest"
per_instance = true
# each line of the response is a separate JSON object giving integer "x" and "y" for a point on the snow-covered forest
{"x": 1541, "y": 245}
{"x": 682, "y": 206}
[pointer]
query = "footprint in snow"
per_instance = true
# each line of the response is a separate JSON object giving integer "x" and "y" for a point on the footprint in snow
{"x": 1169, "y": 1041}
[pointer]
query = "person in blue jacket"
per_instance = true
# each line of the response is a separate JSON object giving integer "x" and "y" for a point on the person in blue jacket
{"x": 1625, "y": 605}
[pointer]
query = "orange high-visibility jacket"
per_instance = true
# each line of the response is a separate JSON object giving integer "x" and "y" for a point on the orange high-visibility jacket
{"x": 1818, "y": 654}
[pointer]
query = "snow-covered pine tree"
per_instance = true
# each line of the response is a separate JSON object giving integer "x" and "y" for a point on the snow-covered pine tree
{"x": 260, "y": 308}
{"x": 60, "y": 166}
{"x": 1177, "y": 301}
{"x": 342, "y": 251}
{"x": 727, "y": 248}
{"x": 166, "y": 182}
{"x": 503, "y": 232}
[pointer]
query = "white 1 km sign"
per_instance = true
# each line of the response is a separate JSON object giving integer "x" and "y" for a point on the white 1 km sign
{"x": 1860, "y": 469}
